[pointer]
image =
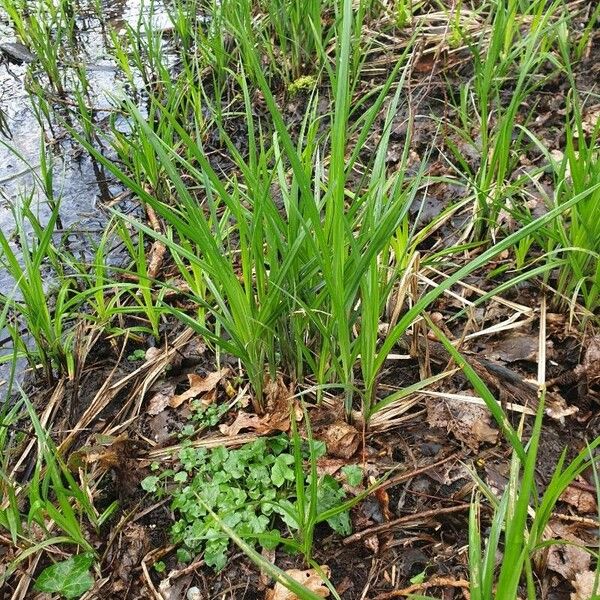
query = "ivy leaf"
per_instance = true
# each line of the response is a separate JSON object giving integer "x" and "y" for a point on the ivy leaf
{"x": 70, "y": 578}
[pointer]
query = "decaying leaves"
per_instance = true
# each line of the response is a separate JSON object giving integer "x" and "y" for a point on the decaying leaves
{"x": 584, "y": 586}
{"x": 590, "y": 366}
{"x": 248, "y": 421}
{"x": 128, "y": 554}
{"x": 341, "y": 438}
{"x": 310, "y": 579}
{"x": 161, "y": 398}
{"x": 469, "y": 423}
{"x": 580, "y": 499}
{"x": 198, "y": 385}
{"x": 568, "y": 560}
{"x": 278, "y": 403}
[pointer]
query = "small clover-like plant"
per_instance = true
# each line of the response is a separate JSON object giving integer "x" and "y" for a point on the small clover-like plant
{"x": 251, "y": 489}
{"x": 207, "y": 416}
{"x": 137, "y": 355}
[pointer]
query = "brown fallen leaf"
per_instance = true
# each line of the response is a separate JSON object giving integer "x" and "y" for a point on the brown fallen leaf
{"x": 468, "y": 422}
{"x": 341, "y": 438}
{"x": 161, "y": 398}
{"x": 568, "y": 560}
{"x": 128, "y": 554}
{"x": 584, "y": 586}
{"x": 310, "y": 579}
{"x": 513, "y": 348}
{"x": 279, "y": 401}
{"x": 582, "y": 500}
{"x": 590, "y": 366}
{"x": 245, "y": 421}
{"x": 198, "y": 385}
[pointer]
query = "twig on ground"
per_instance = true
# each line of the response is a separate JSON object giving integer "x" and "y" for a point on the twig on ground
{"x": 407, "y": 520}
{"x": 434, "y": 582}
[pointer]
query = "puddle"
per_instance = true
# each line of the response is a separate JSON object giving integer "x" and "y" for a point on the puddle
{"x": 82, "y": 192}
{"x": 76, "y": 183}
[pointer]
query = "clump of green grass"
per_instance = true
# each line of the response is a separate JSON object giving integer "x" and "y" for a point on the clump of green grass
{"x": 30, "y": 305}
{"x": 572, "y": 243}
{"x": 521, "y": 514}
{"x": 47, "y": 28}
{"x": 57, "y": 508}
{"x": 507, "y": 60}
{"x": 292, "y": 252}
{"x": 290, "y": 262}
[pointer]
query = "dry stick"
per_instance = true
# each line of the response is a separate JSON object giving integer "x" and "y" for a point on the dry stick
{"x": 185, "y": 570}
{"x": 149, "y": 372}
{"x": 417, "y": 587}
{"x": 158, "y": 249}
{"x": 149, "y": 583}
{"x": 26, "y": 579}
{"x": 406, "y": 476}
{"x": 406, "y": 520}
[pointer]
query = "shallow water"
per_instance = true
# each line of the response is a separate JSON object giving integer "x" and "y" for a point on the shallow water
{"x": 83, "y": 193}
{"x": 82, "y": 196}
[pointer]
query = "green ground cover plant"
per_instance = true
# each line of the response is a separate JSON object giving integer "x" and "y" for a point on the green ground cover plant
{"x": 247, "y": 489}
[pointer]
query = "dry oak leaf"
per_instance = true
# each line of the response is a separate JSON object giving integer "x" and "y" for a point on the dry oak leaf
{"x": 279, "y": 402}
{"x": 310, "y": 579}
{"x": 198, "y": 385}
{"x": 278, "y": 399}
{"x": 259, "y": 425}
{"x": 245, "y": 420}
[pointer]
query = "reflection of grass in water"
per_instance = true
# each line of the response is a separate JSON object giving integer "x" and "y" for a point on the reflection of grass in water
{"x": 4, "y": 127}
